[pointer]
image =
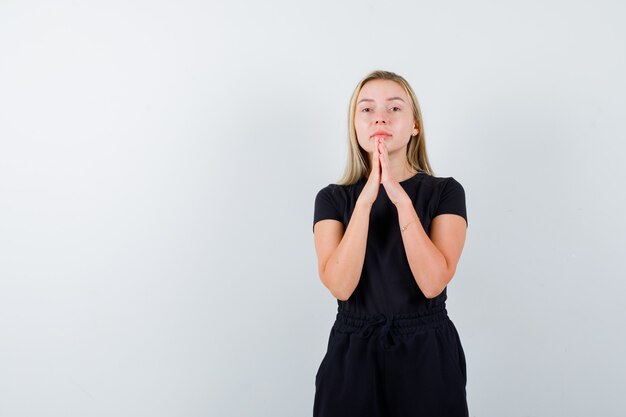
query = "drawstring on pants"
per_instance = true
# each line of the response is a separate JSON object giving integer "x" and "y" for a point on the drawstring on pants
{"x": 372, "y": 324}
{"x": 384, "y": 323}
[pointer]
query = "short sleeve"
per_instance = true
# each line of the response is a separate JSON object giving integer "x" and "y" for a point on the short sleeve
{"x": 452, "y": 200}
{"x": 326, "y": 206}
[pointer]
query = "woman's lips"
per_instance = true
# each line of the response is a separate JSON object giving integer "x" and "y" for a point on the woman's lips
{"x": 381, "y": 134}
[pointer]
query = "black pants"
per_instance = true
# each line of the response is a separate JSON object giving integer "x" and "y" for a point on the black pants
{"x": 403, "y": 366}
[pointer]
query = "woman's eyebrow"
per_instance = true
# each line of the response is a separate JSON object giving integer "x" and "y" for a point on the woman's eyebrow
{"x": 389, "y": 99}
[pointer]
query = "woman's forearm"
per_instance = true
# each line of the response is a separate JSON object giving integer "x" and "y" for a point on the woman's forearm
{"x": 343, "y": 269}
{"x": 427, "y": 263}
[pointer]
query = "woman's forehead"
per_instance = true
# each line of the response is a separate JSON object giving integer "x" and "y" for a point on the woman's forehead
{"x": 382, "y": 89}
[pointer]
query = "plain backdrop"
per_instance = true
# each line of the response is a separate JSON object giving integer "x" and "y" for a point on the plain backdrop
{"x": 159, "y": 162}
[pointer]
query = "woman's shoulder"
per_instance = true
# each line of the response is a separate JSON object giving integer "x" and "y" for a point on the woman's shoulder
{"x": 440, "y": 181}
{"x": 342, "y": 188}
{"x": 450, "y": 183}
{"x": 430, "y": 187}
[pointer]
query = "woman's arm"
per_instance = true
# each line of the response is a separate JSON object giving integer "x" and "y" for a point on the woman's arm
{"x": 341, "y": 255}
{"x": 433, "y": 259}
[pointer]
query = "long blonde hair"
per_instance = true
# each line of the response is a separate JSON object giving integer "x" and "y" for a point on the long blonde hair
{"x": 358, "y": 164}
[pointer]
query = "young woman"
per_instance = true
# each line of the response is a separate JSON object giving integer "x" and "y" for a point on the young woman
{"x": 388, "y": 239}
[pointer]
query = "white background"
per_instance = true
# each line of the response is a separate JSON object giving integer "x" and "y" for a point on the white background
{"x": 159, "y": 162}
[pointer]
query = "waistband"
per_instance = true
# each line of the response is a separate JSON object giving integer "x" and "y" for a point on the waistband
{"x": 404, "y": 323}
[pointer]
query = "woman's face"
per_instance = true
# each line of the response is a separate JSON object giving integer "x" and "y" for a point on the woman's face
{"x": 383, "y": 109}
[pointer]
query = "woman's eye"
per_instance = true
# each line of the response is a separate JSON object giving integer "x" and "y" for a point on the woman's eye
{"x": 395, "y": 109}
{"x": 365, "y": 110}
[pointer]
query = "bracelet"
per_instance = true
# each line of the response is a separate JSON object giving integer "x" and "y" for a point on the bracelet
{"x": 407, "y": 225}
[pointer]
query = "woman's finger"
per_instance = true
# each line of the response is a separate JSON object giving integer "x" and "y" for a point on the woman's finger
{"x": 380, "y": 160}
{"x": 376, "y": 158}
{"x": 383, "y": 162}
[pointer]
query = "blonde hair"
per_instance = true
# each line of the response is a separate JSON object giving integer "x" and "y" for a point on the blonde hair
{"x": 358, "y": 164}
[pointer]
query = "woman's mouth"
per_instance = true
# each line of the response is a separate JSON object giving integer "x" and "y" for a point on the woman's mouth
{"x": 381, "y": 134}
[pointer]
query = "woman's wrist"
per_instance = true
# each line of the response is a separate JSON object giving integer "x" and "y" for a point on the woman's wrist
{"x": 360, "y": 202}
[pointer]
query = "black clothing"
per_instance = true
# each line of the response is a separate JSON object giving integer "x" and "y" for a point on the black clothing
{"x": 404, "y": 366}
{"x": 387, "y": 284}
{"x": 391, "y": 351}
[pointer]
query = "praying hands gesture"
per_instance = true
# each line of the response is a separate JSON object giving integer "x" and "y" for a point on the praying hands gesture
{"x": 380, "y": 175}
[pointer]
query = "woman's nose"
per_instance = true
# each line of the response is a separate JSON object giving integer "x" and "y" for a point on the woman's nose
{"x": 381, "y": 117}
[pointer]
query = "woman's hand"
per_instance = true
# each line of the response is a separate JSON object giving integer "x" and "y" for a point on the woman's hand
{"x": 393, "y": 188}
{"x": 370, "y": 190}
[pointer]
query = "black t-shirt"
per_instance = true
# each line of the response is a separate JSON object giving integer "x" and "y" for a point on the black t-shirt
{"x": 386, "y": 284}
